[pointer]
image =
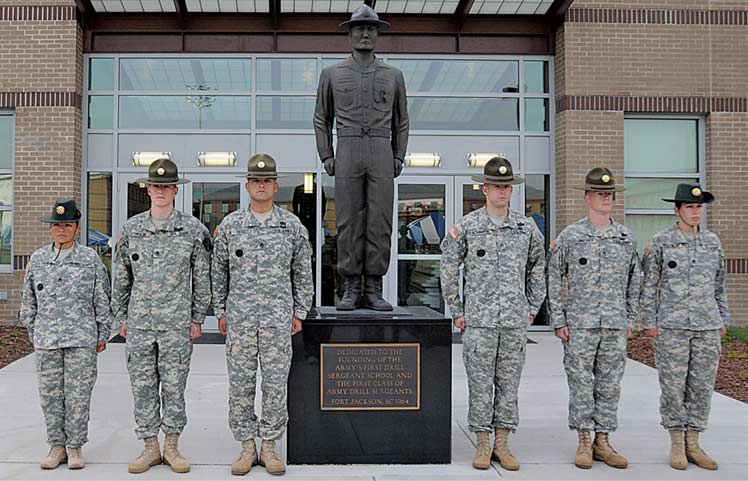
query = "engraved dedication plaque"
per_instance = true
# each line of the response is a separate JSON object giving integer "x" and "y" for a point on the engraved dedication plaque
{"x": 355, "y": 377}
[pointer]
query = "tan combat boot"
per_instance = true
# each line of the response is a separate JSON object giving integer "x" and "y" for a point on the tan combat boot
{"x": 677, "y": 450}
{"x": 247, "y": 459}
{"x": 482, "y": 458}
{"x": 583, "y": 459}
{"x": 56, "y": 456}
{"x": 603, "y": 451}
{"x": 172, "y": 456}
{"x": 272, "y": 463}
{"x": 150, "y": 456}
{"x": 75, "y": 458}
{"x": 695, "y": 454}
{"x": 501, "y": 451}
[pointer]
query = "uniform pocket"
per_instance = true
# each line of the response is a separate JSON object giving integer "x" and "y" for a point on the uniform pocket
{"x": 345, "y": 96}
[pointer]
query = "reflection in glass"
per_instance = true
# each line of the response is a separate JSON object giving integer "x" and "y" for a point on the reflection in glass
{"x": 536, "y": 76}
{"x": 660, "y": 145}
{"x": 472, "y": 198}
{"x": 332, "y": 284}
{"x": 197, "y": 111}
{"x": 536, "y": 115}
{"x": 474, "y": 114}
{"x": 285, "y": 112}
{"x": 101, "y": 74}
{"x": 645, "y": 226}
{"x": 6, "y": 236}
{"x": 453, "y": 76}
{"x": 6, "y": 141}
{"x": 177, "y": 74}
{"x": 642, "y": 193}
{"x": 420, "y": 218}
{"x": 101, "y": 112}
{"x": 6, "y": 189}
{"x": 538, "y": 201}
{"x": 99, "y": 215}
{"x": 212, "y": 201}
{"x": 289, "y": 74}
{"x": 137, "y": 199}
{"x": 418, "y": 284}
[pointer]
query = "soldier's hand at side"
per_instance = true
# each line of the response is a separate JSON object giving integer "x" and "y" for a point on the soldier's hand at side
{"x": 295, "y": 326}
{"x": 562, "y": 333}
{"x": 460, "y": 323}
{"x": 398, "y": 167}
{"x": 722, "y": 331}
{"x": 628, "y": 333}
{"x": 532, "y": 319}
{"x": 222, "y": 325}
{"x": 196, "y": 330}
{"x": 123, "y": 330}
{"x": 100, "y": 346}
{"x": 653, "y": 332}
{"x": 330, "y": 166}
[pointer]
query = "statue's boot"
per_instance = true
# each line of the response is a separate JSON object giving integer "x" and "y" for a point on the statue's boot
{"x": 373, "y": 294}
{"x": 351, "y": 294}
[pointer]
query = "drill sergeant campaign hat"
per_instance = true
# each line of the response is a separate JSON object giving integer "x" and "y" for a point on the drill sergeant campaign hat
{"x": 261, "y": 166}
{"x": 364, "y": 15}
{"x": 64, "y": 210}
{"x": 162, "y": 172}
{"x": 600, "y": 179}
{"x": 498, "y": 171}
{"x": 691, "y": 194}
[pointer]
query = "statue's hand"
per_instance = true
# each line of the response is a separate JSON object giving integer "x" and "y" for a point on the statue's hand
{"x": 330, "y": 166}
{"x": 398, "y": 167}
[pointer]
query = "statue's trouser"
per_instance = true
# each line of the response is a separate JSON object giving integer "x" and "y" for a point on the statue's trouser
{"x": 364, "y": 188}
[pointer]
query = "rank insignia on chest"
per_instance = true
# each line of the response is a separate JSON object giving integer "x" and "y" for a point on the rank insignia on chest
{"x": 454, "y": 232}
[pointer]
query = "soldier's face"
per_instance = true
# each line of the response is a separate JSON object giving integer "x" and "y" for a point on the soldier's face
{"x": 364, "y": 37}
{"x": 600, "y": 202}
{"x": 691, "y": 213}
{"x": 63, "y": 232}
{"x": 162, "y": 195}
{"x": 261, "y": 190}
{"x": 497, "y": 195}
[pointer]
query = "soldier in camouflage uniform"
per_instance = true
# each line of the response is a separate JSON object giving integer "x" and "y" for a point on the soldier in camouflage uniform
{"x": 684, "y": 309}
{"x": 262, "y": 290}
{"x": 504, "y": 266}
{"x": 598, "y": 257}
{"x": 65, "y": 307}
{"x": 160, "y": 296}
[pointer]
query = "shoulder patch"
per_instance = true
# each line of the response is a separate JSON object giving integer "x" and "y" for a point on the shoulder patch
{"x": 454, "y": 232}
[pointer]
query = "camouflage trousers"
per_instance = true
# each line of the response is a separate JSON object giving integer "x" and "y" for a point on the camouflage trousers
{"x": 158, "y": 363}
{"x": 494, "y": 358}
{"x": 271, "y": 348}
{"x": 594, "y": 360}
{"x": 66, "y": 380}
{"x": 687, "y": 366}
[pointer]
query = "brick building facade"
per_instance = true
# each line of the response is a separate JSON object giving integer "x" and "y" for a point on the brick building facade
{"x": 615, "y": 61}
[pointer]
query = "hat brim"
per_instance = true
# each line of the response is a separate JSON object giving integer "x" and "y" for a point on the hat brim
{"x": 49, "y": 220}
{"x": 257, "y": 176}
{"x": 708, "y": 199}
{"x": 487, "y": 179}
{"x": 595, "y": 188}
{"x": 147, "y": 180}
{"x": 381, "y": 24}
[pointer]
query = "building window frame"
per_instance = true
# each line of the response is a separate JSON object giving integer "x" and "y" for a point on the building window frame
{"x": 8, "y": 268}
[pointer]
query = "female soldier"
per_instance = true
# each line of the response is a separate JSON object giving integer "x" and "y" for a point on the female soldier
{"x": 65, "y": 307}
{"x": 684, "y": 308}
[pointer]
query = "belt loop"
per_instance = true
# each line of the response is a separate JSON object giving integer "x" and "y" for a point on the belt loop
{"x": 365, "y": 131}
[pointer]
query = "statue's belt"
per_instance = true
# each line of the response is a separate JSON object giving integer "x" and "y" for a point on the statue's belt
{"x": 363, "y": 132}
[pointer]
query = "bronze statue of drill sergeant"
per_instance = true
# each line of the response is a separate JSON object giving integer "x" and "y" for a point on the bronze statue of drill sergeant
{"x": 366, "y": 99}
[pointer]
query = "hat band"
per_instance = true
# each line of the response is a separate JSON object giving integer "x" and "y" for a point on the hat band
{"x": 262, "y": 174}
{"x": 599, "y": 187}
{"x": 498, "y": 177}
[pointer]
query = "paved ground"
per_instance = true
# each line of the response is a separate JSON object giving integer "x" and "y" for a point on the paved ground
{"x": 543, "y": 443}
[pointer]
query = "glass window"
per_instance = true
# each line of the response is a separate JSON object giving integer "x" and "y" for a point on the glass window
{"x": 177, "y": 74}
{"x": 536, "y": 76}
{"x": 418, "y": 284}
{"x": 137, "y": 199}
{"x": 6, "y": 238}
{"x": 661, "y": 145}
{"x": 212, "y": 201}
{"x": 184, "y": 112}
{"x": 453, "y": 76}
{"x": 420, "y": 218}
{"x": 290, "y": 74}
{"x": 100, "y": 112}
{"x": 536, "y": 115}
{"x": 6, "y": 141}
{"x": 332, "y": 283}
{"x": 99, "y": 216}
{"x": 645, "y": 226}
{"x": 101, "y": 74}
{"x": 285, "y": 112}
{"x": 647, "y": 193}
{"x": 472, "y": 198}
{"x": 538, "y": 202}
{"x": 463, "y": 114}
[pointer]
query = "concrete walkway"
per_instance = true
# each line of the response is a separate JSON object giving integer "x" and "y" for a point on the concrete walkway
{"x": 543, "y": 443}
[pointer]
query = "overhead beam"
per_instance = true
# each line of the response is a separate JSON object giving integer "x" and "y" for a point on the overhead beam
{"x": 86, "y": 10}
{"x": 181, "y": 6}
{"x": 462, "y": 11}
{"x": 275, "y": 12}
{"x": 557, "y": 10}
{"x": 371, "y": 3}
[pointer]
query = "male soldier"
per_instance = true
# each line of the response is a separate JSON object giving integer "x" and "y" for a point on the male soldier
{"x": 65, "y": 307}
{"x": 262, "y": 290}
{"x": 684, "y": 308}
{"x": 504, "y": 263}
{"x": 366, "y": 99}
{"x": 160, "y": 296}
{"x": 598, "y": 257}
